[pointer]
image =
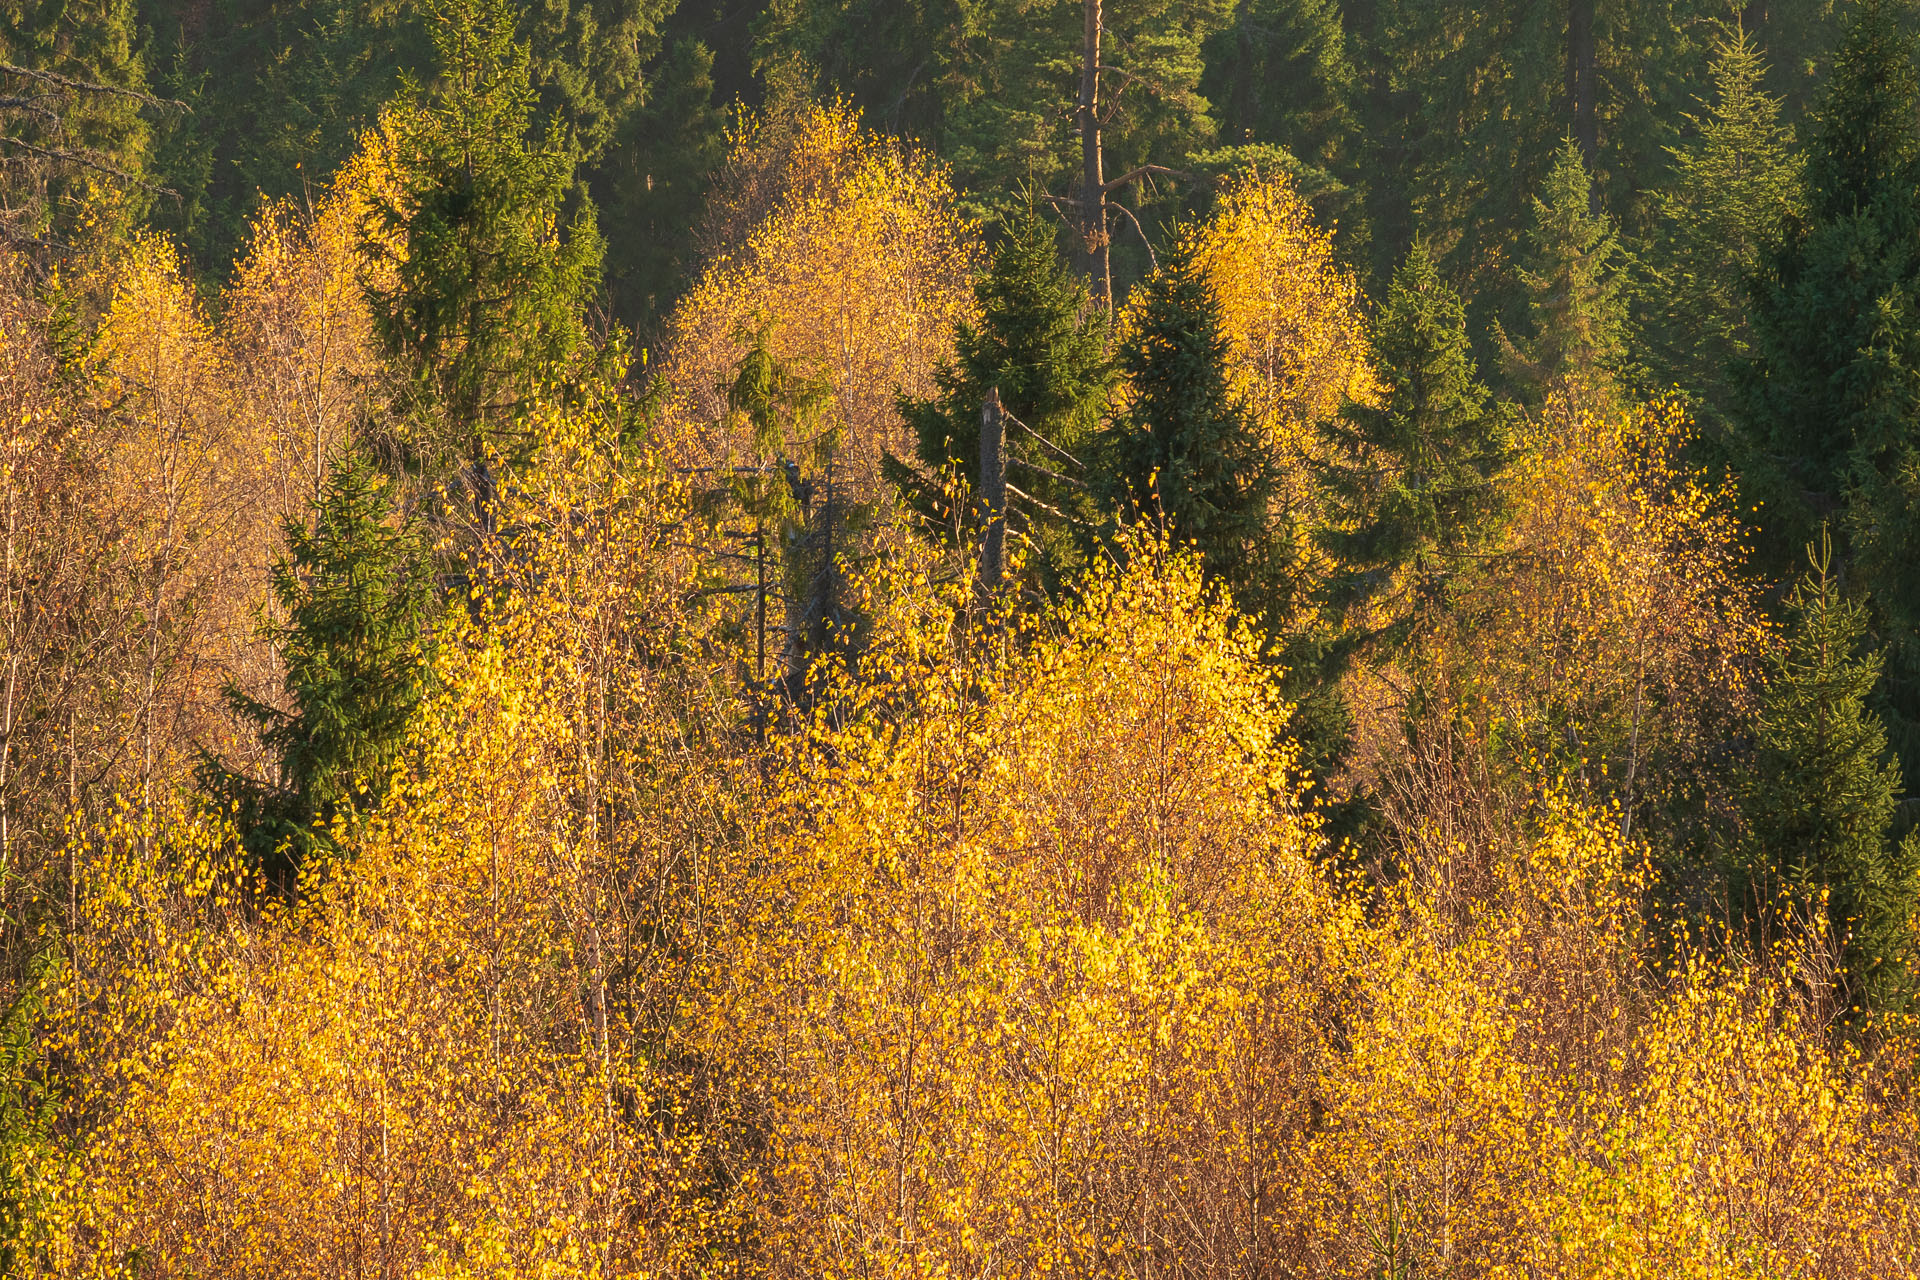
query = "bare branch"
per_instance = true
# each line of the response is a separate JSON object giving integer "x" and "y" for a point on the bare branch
{"x": 1045, "y": 471}
{"x": 88, "y": 86}
{"x": 31, "y": 106}
{"x": 1152, "y": 257}
{"x": 1042, "y": 439}
{"x": 1142, "y": 172}
{"x": 76, "y": 157}
{"x": 1055, "y": 203}
{"x": 1131, "y": 78}
{"x": 1048, "y": 507}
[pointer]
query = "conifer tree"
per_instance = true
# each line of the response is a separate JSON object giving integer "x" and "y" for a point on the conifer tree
{"x": 1576, "y": 314}
{"x": 1821, "y": 798}
{"x": 1410, "y": 482}
{"x": 73, "y": 112}
{"x": 988, "y": 81}
{"x": 1468, "y": 102}
{"x": 355, "y": 594}
{"x": 1281, "y": 73}
{"x": 1186, "y": 450}
{"x": 491, "y": 276}
{"x": 1035, "y": 341}
{"x": 280, "y": 95}
{"x": 1732, "y": 186}
{"x": 1829, "y": 411}
{"x": 590, "y": 59}
{"x": 653, "y": 181}
{"x": 1043, "y": 348}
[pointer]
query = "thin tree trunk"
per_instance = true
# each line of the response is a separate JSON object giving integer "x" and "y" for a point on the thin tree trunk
{"x": 1582, "y": 68}
{"x": 6, "y": 760}
{"x": 16, "y": 611}
{"x": 1093, "y": 192}
{"x": 993, "y": 487}
{"x": 829, "y": 600}
{"x": 1245, "y": 105}
{"x": 760, "y": 602}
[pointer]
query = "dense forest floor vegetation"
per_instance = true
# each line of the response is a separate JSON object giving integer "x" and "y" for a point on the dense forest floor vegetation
{"x": 1040, "y": 637}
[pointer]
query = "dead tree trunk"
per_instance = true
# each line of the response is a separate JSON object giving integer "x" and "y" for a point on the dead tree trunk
{"x": 1093, "y": 188}
{"x": 1582, "y": 71}
{"x": 993, "y": 487}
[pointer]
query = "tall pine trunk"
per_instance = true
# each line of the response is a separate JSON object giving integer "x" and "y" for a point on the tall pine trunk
{"x": 1093, "y": 191}
{"x": 1582, "y": 72}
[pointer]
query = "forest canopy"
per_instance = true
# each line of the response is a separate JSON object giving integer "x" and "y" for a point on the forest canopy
{"x": 758, "y": 638}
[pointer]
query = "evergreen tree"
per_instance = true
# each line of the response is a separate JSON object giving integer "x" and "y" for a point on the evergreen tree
{"x": 1186, "y": 450}
{"x": 1821, "y": 798}
{"x": 588, "y": 59}
{"x": 1043, "y": 347}
{"x": 1829, "y": 410}
{"x": 355, "y": 595}
{"x": 993, "y": 85}
{"x": 1576, "y": 314}
{"x": 653, "y": 183}
{"x": 1800, "y": 38}
{"x": 1281, "y": 74}
{"x": 1410, "y": 485}
{"x": 281, "y": 93}
{"x": 1466, "y": 105}
{"x": 491, "y": 276}
{"x": 1283, "y": 86}
{"x": 57, "y": 140}
{"x": 1733, "y": 184}
{"x": 903, "y": 62}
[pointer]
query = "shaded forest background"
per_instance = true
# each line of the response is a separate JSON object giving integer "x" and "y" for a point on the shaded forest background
{"x": 1396, "y": 120}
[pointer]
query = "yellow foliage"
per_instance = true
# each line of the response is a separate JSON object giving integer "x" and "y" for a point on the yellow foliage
{"x": 180, "y": 446}
{"x": 1526, "y": 1097}
{"x": 1292, "y": 315}
{"x": 422, "y": 1070}
{"x": 1007, "y": 947}
{"x": 857, "y": 269}
{"x": 186, "y": 488}
{"x": 1741, "y": 1149}
{"x": 1014, "y": 952}
{"x": 1610, "y": 640}
{"x": 1297, "y": 348}
{"x": 1029, "y": 976}
{"x": 298, "y": 327}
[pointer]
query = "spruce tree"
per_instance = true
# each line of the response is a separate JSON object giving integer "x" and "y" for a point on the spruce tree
{"x": 354, "y": 594}
{"x": 1468, "y": 102}
{"x": 1732, "y": 186}
{"x": 1820, "y": 800}
{"x": 1281, "y": 74}
{"x": 281, "y": 92}
{"x": 994, "y": 83}
{"x": 1187, "y": 450}
{"x": 490, "y": 276}
{"x": 1039, "y": 343}
{"x": 1829, "y": 410}
{"x": 1410, "y": 483}
{"x": 1575, "y": 333}
{"x": 74, "y": 115}
{"x": 653, "y": 183}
